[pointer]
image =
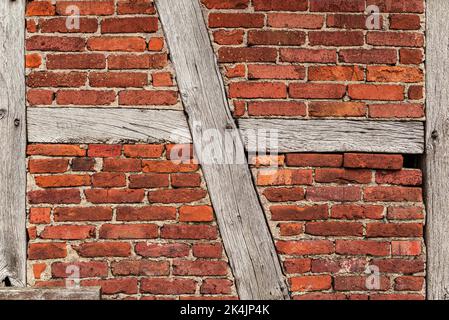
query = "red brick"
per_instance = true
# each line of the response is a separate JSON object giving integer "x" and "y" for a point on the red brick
{"x": 311, "y": 283}
{"x": 308, "y": 55}
{"x": 236, "y": 20}
{"x": 136, "y": 7}
{"x": 55, "y": 43}
{"x": 199, "y": 268}
{"x": 33, "y": 60}
{"x": 68, "y": 232}
{"x": 48, "y": 165}
{"x": 405, "y": 213}
{"x": 87, "y": 269}
{"x": 54, "y": 196}
{"x": 398, "y": 6}
{"x": 107, "y": 180}
{"x": 147, "y": 213}
{"x": 284, "y": 194}
{"x": 359, "y": 283}
{"x": 216, "y": 286}
{"x": 56, "y": 79}
{"x": 342, "y": 176}
{"x": 225, "y": 4}
{"x": 397, "y": 230}
{"x": 85, "y": 97}
{"x": 280, "y": 177}
{"x": 52, "y": 150}
{"x": 290, "y": 229}
{"x": 403, "y": 177}
{"x": 185, "y": 180}
{"x": 408, "y": 110}
{"x": 279, "y": 38}
{"x": 278, "y": 108}
{"x": 229, "y": 36}
{"x": 151, "y": 180}
{"x": 368, "y": 56}
{"x": 129, "y": 25}
{"x": 415, "y": 92}
{"x": 176, "y": 195}
{"x": 104, "y": 249}
{"x": 295, "y": 20}
{"x": 196, "y": 214}
{"x": 337, "y": 109}
{"x": 300, "y": 213}
{"x": 164, "y": 166}
{"x": 55, "y": 25}
{"x": 406, "y": 248}
{"x": 140, "y": 268}
{"x": 316, "y": 91}
{"x": 275, "y": 5}
{"x": 65, "y": 180}
{"x": 128, "y": 44}
{"x": 168, "y": 286}
{"x": 141, "y": 61}
{"x": 89, "y": 7}
{"x": 154, "y": 250}
{"x": 376, "y": 92}
{"x": 249, "y": 90}
{"x": 297, "y": 265}
{"x": 188, "y": 232}
{"x": 394, "y": 74}
{"x": 40, "y": 215}
{"x": 48, "y": 250}
{"x": 400, "y": 297}
{"x": 82, "y": 214}
{"x": 129, "y": 231}
{"x": 411, "y": 56}
{"x": 162, "y": 79}
{"x": 39, "y": 269}
{"x": 352, "y": 211}
{"x": 397, "y": 39}
{"x": 373, "y": 161}
{"x": 40, "y": 8}
{"x": 148, "y": 97}
{"x": 337, "y": 5}
{"x": 305, "y": 247}
{"x": 347, "y": 21}
{"x": 405, "y": 22}
{"x": 362, "y": 247}
{"x": 156, "y": 44}
{"x": 341, "y": 194}
{"x": 40, "y": 97}
{"x": 408, "y": 283}
{"x": 336, "y": 73}
{"x": 259, "y": 71}
{"x": 259, "y": 54}
{"x": 314, "y": 160}
{"x": 207, "y": 250}
{"x": 335, "y": 266}
{"x": 104, "y": 150}
{"x": 394, "y": 194}
{"x": 114, "y": 195}
{"x": 336, "y": 38}
{"x": 399, "y": 266}
{"x": 113, "y": 286}
{"x": 334, "y": 229}
{"x": 122, "y": 165}
{"x": 83, "y": 164}
{"x": 118, "y": 79}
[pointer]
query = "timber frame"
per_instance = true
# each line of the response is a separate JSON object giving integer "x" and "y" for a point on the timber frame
{"x": 241, "y": 220}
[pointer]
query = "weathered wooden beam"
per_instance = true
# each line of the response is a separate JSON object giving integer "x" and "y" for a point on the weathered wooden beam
{"x": 241, "y": 220}
{"x": 106, "y": 125}
{"x": 12, "y": 143}
{"x": 437, "y": 150}
{"x": 49, "y": 294}
{"x": 333, "y": 135}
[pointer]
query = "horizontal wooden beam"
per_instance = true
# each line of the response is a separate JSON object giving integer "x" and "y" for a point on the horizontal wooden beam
{"x": 333, "y": 135}
{"x": 50, "y": 294}
{"x": 106, "y": 125}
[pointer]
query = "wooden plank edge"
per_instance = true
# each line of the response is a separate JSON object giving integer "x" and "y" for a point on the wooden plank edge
{"x": 91, "y": 293}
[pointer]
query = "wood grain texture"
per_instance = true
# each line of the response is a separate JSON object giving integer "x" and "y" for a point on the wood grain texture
{"x": 333, "y": 135}
{"x": 246, "y": 236}
{"x": 12, "y": 143}
{"x": 106, "y": 125}
{"x": 49, "y": 294}
{"x": 437, "y": 150}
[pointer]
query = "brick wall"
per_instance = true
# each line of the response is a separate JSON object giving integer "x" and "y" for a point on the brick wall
{"x": 142, "y": 227}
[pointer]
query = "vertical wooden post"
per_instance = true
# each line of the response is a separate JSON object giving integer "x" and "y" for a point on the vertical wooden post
{"x": 12, "y": 143}
{"x": 437, "y": 149}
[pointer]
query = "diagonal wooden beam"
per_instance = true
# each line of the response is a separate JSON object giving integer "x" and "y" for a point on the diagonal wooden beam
{"x": 12, "y": 143}
{"x": 243, "y": 226}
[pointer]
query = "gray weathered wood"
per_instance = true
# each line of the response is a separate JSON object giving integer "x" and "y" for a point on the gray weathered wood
{"x": 334, "y": 135}
{"x": 240, "y": 216}
{"x": 437, "y": 150}
{"x": 106, "y": 125}
{"x": 49, "y": 294}
{"x": 12, "y": 143}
